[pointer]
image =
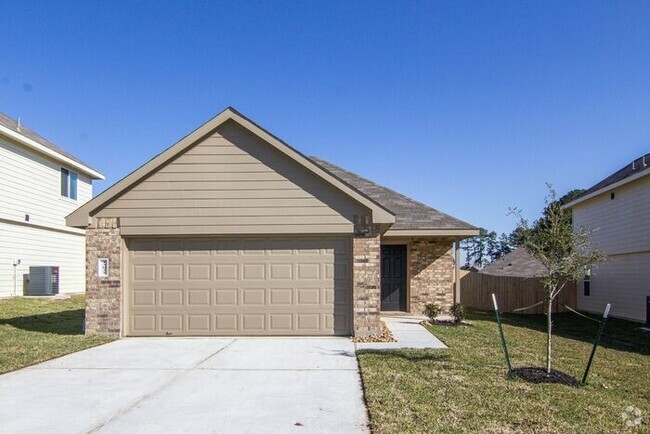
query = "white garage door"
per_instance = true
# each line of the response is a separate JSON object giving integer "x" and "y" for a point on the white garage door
{"x": 221, "y": 287}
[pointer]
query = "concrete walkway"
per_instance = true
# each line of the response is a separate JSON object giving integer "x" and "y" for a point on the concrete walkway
{"x": 409, "y": 334}
{"x": 180, "y": 385}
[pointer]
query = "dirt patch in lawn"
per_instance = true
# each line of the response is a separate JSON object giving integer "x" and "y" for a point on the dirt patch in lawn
{"x": 539, "y": 375}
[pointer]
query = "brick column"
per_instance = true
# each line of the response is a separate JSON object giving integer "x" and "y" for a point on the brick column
{"x": 366, "y": 286}
{"x": 431, "y": 270}
{"x": 104, "y": 294}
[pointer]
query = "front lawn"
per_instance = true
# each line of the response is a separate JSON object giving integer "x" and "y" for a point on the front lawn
{"x": 36, "y": 329}
{"x": 465, "y": 389}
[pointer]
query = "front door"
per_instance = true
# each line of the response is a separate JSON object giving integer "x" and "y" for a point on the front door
{"x": 393, "y": 278}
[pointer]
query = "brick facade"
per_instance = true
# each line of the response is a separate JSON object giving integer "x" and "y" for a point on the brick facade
{"x": 104, "y": 294}
{"x": 431, "y": 273}
{"x": 366, "y": 296}
{"x": 430, "y": 270}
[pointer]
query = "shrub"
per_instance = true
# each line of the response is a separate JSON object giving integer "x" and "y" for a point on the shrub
{"x": 458, "y": 312}
{"x": 432, "y": 311}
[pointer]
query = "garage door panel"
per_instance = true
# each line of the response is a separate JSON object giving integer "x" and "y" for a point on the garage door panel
{"x": 281, "y": 297}
{"x": 309, "y": 321}
{"x": 281, "y": 322}
{"x": 171, "y": 297}
{"x": 143, "y": 297}
{"x": 199, "y": 272}
{"x": 227, "y": 297}
{"x": 253, "y": 272}
{"x": 309, "y": 296}
{"x": 171, "y": 272}
{"x": 171, "y": 322}
{"x": 239, "y": 287}
{"x": 143, "y": 273}
{"x": 253, "y": 322}
{"x": 280, "y": 271}
{"x": 199, "y": 297}
{"x": 226, "y": 271}
{"x": 253, "y": 297}
{"x": 226, "y": 323}
{"x": 199, "y": 323}
{"x": 143, "y": 324}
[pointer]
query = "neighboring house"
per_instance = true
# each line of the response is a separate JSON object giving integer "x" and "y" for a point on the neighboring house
{"x": 232, "y": 232}
{"x": 617, "y": 209}
{"x": 470, "y": 268}
{"x": 39, "y": 185}
{"x": 517, "y": 263}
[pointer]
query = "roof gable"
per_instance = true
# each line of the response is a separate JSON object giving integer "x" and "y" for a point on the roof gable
{"x": 81, "y": 217}
{"x": 233, "y": 183}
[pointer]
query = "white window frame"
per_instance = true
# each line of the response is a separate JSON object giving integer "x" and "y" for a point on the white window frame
{"x": 70, "y": 175}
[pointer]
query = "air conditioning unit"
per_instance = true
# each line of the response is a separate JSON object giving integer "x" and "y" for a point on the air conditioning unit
{"x": 43, "y": 281}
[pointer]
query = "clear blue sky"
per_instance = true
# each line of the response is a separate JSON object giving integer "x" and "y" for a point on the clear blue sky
{"x": 469, "y": 107}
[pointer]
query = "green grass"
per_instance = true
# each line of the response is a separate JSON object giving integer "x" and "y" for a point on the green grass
{"x": 33, "y": 330}
{"x": 465, "y": 389}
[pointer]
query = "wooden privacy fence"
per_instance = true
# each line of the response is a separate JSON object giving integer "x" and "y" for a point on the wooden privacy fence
{"x": 512, "y": 293}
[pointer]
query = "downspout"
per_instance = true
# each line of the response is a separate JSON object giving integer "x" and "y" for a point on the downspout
{"x": 457, "y": 271}
{"x": 16, "y": 264}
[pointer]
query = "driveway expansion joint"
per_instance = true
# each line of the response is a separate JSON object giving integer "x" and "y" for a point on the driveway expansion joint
{"x": 162, "y": 387}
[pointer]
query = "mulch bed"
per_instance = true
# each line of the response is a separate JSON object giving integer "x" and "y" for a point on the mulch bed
{"x": 446, "y": 322}
{"x": 384, "y": 336}
{"x": 539, "y": 375}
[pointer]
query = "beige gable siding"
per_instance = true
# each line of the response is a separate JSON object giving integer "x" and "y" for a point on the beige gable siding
{"x": 621, "y": 225}
{"x": 232, "y": 182}
{"x": 623, "y": 281}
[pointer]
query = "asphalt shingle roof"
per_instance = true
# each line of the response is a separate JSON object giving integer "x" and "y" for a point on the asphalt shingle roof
{"x": 13, "y": 125}
{"x": 409, "y": 213}
{"x": 517, "y": 263}
{"x": 639, "y": 165}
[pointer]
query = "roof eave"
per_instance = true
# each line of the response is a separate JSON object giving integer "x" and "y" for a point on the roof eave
{"x": 460, "y": 233}
{"x": 607, "y": 188}
{"x": 26, "y": 141}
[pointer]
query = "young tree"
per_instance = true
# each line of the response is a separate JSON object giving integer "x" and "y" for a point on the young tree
{"x": 565, "y": 252}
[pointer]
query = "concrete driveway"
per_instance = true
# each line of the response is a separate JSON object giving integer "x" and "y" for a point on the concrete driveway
{"x": 155, "y": 385}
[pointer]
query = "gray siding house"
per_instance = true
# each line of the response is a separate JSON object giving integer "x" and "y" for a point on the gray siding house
{"x": 40, "y": 184}
{"x": 617, "y": 209}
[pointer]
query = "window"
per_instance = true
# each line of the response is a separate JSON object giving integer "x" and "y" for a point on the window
{"x": 102, "y": 267}
{"x": 586, "y": 284}
{"x": 69, "y": 184}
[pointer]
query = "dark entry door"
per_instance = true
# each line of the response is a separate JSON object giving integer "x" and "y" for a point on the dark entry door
{"x": 393, "y": 278}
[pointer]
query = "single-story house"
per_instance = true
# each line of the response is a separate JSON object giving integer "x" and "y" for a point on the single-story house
{"x": 40, "y": 184}
{"x": 617, "y": 210}
{"x": 233, "y": 232}
{"x": 517, "y": 263}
